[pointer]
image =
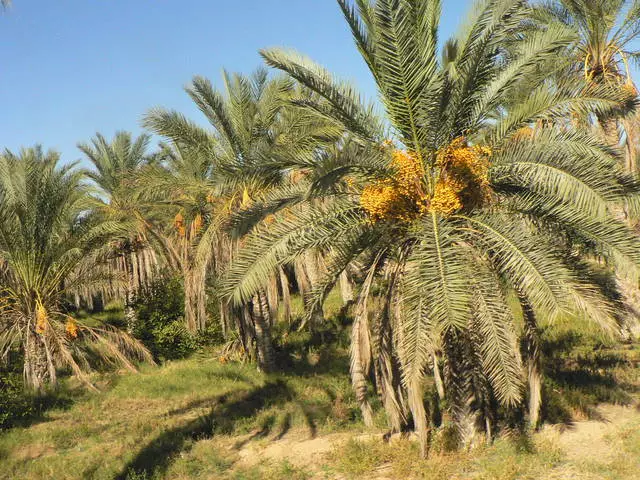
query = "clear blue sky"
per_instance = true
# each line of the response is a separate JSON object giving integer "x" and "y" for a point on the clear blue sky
{"x": 70, "y": 68}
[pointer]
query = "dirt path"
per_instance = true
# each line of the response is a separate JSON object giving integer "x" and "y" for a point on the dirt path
{"x": 584, "y": 442}
{"x": 298, "y": 451}
{"x": 591, "y": 440}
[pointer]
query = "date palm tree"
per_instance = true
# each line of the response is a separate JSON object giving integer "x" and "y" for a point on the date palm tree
{"x": 452, "y": 201}
{"x": 177, "y": 187}
{"x": 251, "y": 129}
{"x": 606, "y": 32}
{"x": 51, "y": 247}
{"x": 115, "y": 162}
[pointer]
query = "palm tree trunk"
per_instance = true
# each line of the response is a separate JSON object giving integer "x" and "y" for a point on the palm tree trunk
{"x": 346, "y": 288}
{"x": 264, "y": 343}
{"x": 222, "y": 309}
{"x": 302, "y": 280}
{"x": 190, "y": 301}
{"x": 201, "y": 300}
{"x": 358, "y": 371}
{"x": 387, "y": 368}
{"x": 630, "y": 328}
{"x": 36, "y": 371}
{"x": 360, "y": 352}
{"x": 272, "y": 297}
{"x": 420, "y": 416}
{"x": 462, "y": 387}
{"x": 437, "y": 376}
{"x": 532, "y": 356}
{"x": 313, "y": 267}
{"x": 286, "y": 295}
{"x": 129, "y": 312}
{"x": 195, "y": 298}
{"x": 610, "y": 130}
{"x": 388, "y": 381}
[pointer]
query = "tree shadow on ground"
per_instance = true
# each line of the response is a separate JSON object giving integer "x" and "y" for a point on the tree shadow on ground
{"x": 578, "y": 379}
{"x": 225, "y": 412}
{"x": 23, "y": 409}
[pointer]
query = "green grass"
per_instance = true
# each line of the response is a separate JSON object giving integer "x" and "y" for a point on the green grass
{"x": 192, "y": 418}
{"x": 195, "y": 418}
{"x": 112, "y": 314}
{"x": 143, "y": 423}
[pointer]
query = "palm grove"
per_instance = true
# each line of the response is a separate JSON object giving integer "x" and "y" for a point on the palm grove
{"x": 491, "y": 192}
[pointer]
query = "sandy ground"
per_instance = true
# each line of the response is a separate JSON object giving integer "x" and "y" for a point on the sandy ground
{"x": 591, "y": 440}
{"x": 584, "y": 442}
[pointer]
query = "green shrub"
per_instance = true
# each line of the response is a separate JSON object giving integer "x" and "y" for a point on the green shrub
{"x": 159, "y": 308}
{"x": 15, "y": 405}
{"x": 173, "y": 340}
{"x": 160, "y": 325}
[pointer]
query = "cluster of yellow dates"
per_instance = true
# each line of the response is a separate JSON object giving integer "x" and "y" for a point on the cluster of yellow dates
{"x": 71, "y": 328}
{"x": 462, "y": 180}
{"x": 401, "y": 197}
{"x": 181, "y": 227}
{"x": 42, "y": 318}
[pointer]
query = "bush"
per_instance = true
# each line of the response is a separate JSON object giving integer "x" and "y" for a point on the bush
{"x": 15, "y": 405}
{"x": 160, "y": 319}
{"x": 173, "y": 340}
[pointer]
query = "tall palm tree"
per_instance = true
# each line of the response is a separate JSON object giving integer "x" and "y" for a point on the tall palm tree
{"x": 451, "y": 205}
{"x": 253, "y": 127}
{"x": 51, "y": 247}
{"x": 115, "y": 162}
{"x": 178, "y": 185}
{"x": 606, "y": 32}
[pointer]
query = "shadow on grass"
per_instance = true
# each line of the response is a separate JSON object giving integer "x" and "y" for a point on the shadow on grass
{"x": 225, "y": 412}
{"x": 22, "y": 409}
{"x": 578, "y": 377}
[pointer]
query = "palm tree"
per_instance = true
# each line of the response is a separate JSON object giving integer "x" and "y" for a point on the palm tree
{"x": 51, "y": 246}
{"x": 606, "y": 31}
{"x": 115, "y": 163}
{"x": 251, "y": 129}
{"x": 178, "y": 185}
{"x": 451, "y": 201}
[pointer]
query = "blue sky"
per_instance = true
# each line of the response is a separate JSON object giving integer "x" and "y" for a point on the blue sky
{"x": 70, "y": 68}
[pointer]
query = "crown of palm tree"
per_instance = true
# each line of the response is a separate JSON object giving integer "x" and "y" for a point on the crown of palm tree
{"x": 606, "y": 31}
{"x": 115, "y": 161}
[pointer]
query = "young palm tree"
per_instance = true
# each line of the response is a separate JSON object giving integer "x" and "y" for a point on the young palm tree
{"x": 50, "y": 248}
{"x": 115, "y": 163}
{"x": 458, "y": 205}
{"x": 606, "y": 32}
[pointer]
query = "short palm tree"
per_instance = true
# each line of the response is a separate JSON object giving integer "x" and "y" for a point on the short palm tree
{"x": 115, "y": 163}
{"x": 452, "y": 201}
{"x": 50, "y": 248}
